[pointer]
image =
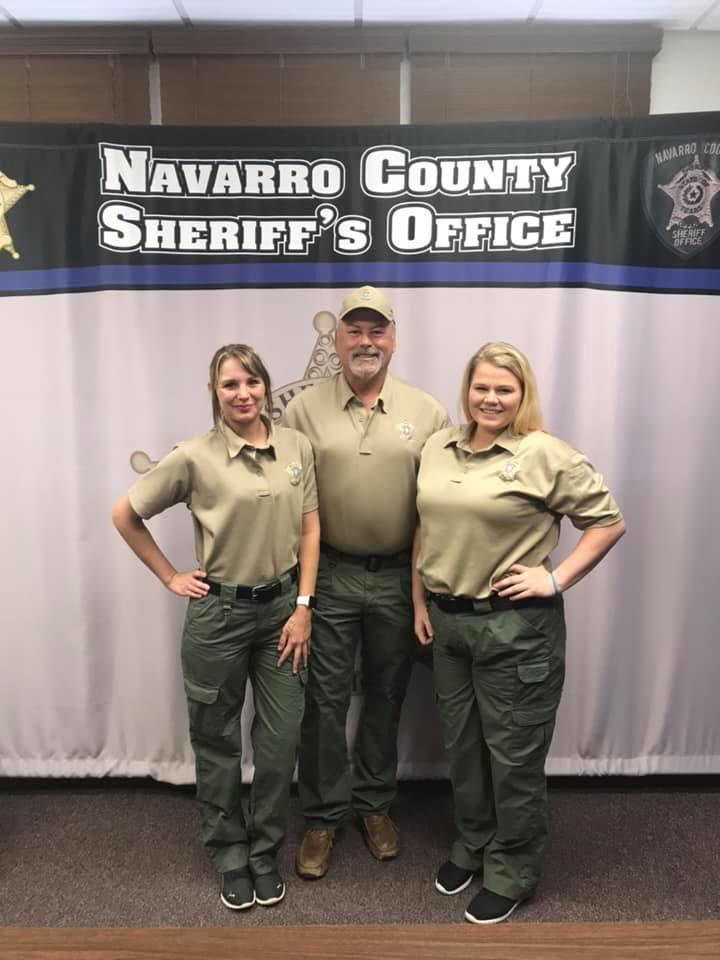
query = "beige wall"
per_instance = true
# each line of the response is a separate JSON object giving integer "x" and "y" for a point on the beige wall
{"x": 686, "y": 72}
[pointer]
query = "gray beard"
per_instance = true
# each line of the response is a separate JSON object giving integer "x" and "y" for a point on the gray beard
{"x": 363, "y": 371}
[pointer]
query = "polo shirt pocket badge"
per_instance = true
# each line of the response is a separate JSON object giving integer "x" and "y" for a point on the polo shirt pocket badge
{"x": 509, "y": 471}
{"x": 294, "y": 471}
{"x": 405, "y": 429}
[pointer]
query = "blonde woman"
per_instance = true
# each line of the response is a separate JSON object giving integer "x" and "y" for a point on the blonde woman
{"x": 250, "y": 488}
{"x": 491, "y": 496}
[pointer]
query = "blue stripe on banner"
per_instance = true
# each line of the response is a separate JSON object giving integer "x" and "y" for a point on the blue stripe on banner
{"x": 419, "y": 272}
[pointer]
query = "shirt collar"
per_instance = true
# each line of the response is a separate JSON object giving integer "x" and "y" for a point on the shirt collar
{"x": 345, "y": 393}
{"x": 460, "y": 437}
{"x": 236, "y": 444}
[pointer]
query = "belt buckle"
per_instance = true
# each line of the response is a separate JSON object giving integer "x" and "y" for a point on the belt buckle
{"x": 260, "y": 589}
{"x": 373, "y": 564}
{"x": 483, "y": 606}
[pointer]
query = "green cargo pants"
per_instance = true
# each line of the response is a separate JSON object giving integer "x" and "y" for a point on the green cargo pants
{"x": 371, "y": 608}
{"x": 225, "y": 642}
{"x": 499, "y": 677}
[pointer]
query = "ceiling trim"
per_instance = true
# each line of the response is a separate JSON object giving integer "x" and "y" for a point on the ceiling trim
{"x": 458, "y": 39}
{"x": 64, "y": 42}
{"x": 269, "y": 40}
{"x": 536, "y": 38}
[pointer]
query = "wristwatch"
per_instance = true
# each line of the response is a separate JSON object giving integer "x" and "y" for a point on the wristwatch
{"x": 305, "y": 600}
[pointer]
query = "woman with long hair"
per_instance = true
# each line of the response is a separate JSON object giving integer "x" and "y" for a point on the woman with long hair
{"x": 250, "y": 488}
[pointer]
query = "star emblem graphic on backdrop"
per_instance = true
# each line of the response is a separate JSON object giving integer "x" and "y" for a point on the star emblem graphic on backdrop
{"x": 10, "y": 192}
{"x": 692, "y": 191}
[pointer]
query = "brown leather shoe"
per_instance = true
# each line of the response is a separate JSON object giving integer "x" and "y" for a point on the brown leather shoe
{"x": 381, "y": 836}
{"x": 313, "y": 855}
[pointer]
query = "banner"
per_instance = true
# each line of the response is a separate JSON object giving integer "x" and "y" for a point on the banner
{"x": 604, "y": 204}
{"x": 128, "y": 254}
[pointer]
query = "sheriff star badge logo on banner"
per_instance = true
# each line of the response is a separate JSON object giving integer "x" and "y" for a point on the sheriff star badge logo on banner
{"x": 10, "y": 192}
{"x": 680, "y": 192}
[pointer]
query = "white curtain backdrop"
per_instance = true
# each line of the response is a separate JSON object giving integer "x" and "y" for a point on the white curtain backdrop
{"x": 90, "y": 679}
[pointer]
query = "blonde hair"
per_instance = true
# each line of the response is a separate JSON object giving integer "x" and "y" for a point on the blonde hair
{"x": 251, "y": 361}
{"x": 529, "y": 416}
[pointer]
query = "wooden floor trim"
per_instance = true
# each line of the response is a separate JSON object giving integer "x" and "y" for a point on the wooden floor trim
{"x": 681, "y": 940}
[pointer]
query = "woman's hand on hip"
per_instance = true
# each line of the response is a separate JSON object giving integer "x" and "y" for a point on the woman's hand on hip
{"x": 190, "y": 583}
{"x": 295, "y": 638}
{"x": 522, "y": 583}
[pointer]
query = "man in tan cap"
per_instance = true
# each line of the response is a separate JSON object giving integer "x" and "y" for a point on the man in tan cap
{"x": 367, "y": 429}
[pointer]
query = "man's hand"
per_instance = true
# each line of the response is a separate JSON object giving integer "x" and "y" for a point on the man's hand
{"x": 423, "y": 627}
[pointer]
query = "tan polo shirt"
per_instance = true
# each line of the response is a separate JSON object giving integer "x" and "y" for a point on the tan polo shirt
{"x": 482, "y": 511}
{"x": 366, "y": 464}
{"x": 247, "y": 504}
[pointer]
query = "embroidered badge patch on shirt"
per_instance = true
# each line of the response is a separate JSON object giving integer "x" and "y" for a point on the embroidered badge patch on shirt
{"x": 406, "y": 430}
{"x": 294, "y": 471}
{"x": 509, "y": 471}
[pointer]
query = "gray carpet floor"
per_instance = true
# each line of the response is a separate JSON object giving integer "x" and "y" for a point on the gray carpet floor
{"x": 126, "y": 853}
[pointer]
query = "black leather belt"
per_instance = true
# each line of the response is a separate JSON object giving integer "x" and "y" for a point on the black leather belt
{"x": 373, "y": 562}
{"x": 450, "y": 604}
{"x": 260, "y": 593}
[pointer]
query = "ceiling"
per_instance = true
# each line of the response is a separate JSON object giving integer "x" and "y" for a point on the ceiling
{"x": 670, "y": 14}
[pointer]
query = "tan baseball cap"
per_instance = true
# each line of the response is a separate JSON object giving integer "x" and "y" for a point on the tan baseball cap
{"x": 367, "y": 298}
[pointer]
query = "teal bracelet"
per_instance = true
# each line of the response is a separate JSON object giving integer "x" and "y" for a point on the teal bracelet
{"x": 556, "y": 589}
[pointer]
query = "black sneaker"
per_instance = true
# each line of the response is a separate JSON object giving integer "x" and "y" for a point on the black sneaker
{"x": 237, "y": 889}
{"x": 452, "y": 879}
{"x": 269, "y": 889}
{"x": 489, "y": 907}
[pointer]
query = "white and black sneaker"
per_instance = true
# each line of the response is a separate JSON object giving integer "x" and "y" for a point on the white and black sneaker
{"x": 237, "y": 891}
{"x": 452, "y": 879}
{"x": 269, "y": 889}
{"x": 489, "y": 907}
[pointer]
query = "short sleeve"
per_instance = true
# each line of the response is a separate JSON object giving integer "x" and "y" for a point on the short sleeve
{"x": 310, "y": 497}
{"x": 442, "y": 420}
{"x": 166, "y": 484}
{"x": 579, "y": 493}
